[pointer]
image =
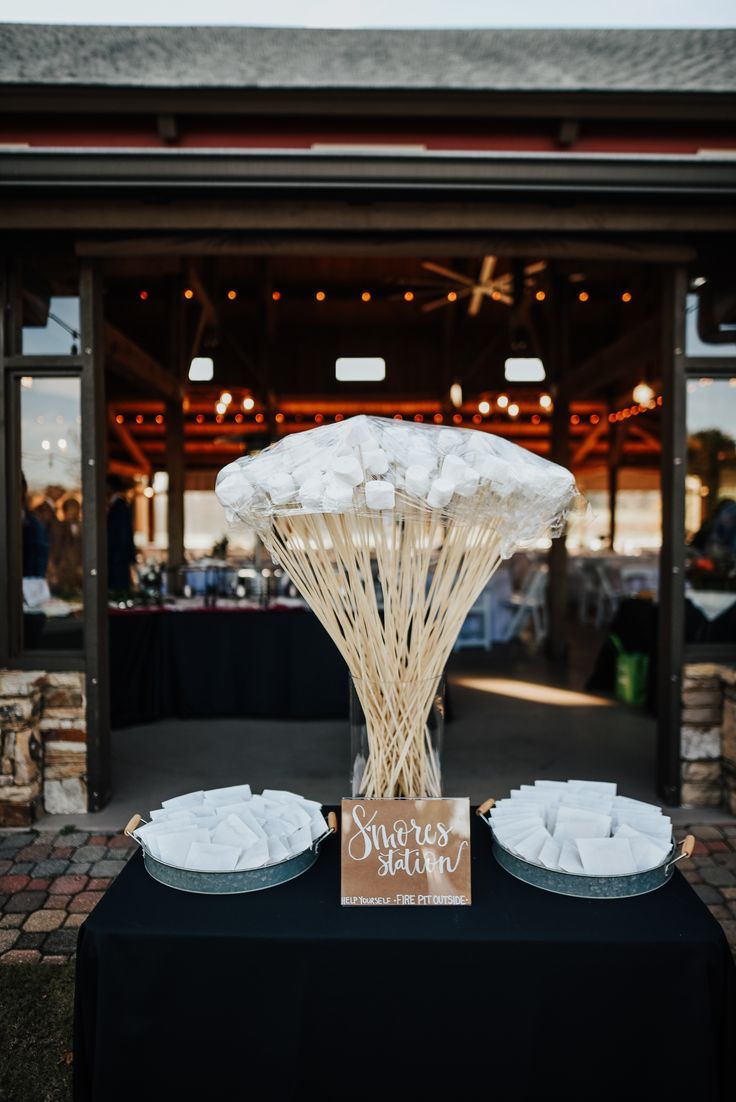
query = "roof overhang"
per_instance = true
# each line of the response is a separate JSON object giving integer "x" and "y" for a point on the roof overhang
{"x": 69, "y": 171}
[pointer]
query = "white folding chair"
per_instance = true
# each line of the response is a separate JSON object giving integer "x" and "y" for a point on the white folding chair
{"x": 530, "y": 604}
{"x": 477, "y": 630}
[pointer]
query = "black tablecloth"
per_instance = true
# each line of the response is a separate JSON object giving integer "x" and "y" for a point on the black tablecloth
{"x": 211, "y": 662}
{"x": 284, "y": 994}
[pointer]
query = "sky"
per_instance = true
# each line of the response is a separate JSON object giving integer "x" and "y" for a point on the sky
{"x": 381, "y": 13}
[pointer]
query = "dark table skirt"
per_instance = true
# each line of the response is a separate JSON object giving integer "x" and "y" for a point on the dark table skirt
{"x": 210, "y": 662}
{"x": 283, "y": 994}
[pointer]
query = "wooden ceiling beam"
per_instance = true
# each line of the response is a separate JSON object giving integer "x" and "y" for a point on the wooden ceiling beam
{"x": 128, "y": 359}
{"x": 132, "y": 447}
{"x": 621, "y": 357}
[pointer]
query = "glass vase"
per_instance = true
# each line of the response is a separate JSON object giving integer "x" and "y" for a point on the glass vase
{"x": 396, "y": 735}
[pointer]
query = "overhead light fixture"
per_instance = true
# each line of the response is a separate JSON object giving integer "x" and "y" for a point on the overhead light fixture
{"x": 513, "y": 410}
{"x": 484, "y": 407}
{"x": 502, "y": 401}
{"x": 545, "y": 401}
{"x": 221, "y": 408}
{"x": 248, "y": 402}
{"x": 201, "y": 369}
{"x": 642, "y": 393}
{"x": 524, "y": 369}
{"x": 226, "y": 397}
{"x": 456, "y": 395}
{"x": 360, "y": 369}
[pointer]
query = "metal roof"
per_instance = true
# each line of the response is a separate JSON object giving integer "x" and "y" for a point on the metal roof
{"x": 535, "y": 61}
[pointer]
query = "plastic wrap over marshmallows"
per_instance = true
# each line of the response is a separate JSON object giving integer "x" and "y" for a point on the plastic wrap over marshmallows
{"x": 370, "y": 465}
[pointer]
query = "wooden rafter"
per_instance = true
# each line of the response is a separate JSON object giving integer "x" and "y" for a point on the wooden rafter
{"x": 618, "y": 358}
{"x": 127, "y": 358}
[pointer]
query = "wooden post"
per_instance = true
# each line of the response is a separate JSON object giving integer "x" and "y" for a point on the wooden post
{"x": 557, "y": 641}
{"x": 175, "y": 502}
{"x": 612, "y": 501}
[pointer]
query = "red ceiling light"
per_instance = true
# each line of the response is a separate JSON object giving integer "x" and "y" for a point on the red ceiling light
{"x": 259, "y": 418}
{"x": 408, "y": 296}
{"x": 594, "y": 418}
{"x": 143, "y": 296}
{"x": 139, "y": 419}
{"x": 418, "y": 416}
{"x": 188, "y": 293}
{"x": 276, "y": 296}
{"x": 339, "y": 417}
{"x": 398, "y": 417}
{"x": 199, "y": 418}
{"x": 574, "y": 420}
{"x": 238, "y": 418}
{"x": 279, "y": 417}
{"x": 159, "y": 418}
{"x": 536, "y": 419}
{"x": 457, "y": 418}
{"x": 232, "y": 295}
{"x": 220, "y": 418}
{"x": 119, "y": 419}
{"x": 477, "y": 419}
{"x": 319, "y": 418}
{"x": 438, "y": 418}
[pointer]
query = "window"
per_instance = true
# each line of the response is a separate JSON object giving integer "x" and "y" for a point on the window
{"x": 50, "y": 532}
{"x": 710, "y": 511}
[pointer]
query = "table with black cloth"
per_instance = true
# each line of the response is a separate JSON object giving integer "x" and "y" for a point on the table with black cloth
{"x": 223, "y": 662}
{"x": 284, "y": 994}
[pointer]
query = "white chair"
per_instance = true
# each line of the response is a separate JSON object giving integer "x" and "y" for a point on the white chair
{"x": 530, "y": 604}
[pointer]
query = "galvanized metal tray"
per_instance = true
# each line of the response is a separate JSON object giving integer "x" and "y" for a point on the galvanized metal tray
{"x": 230, "y": 883}
{"x": 586, "y": 887}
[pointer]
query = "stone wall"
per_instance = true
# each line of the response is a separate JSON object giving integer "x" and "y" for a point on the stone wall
{"x": 708, "y": 753}
{"x": 43, "y": 745}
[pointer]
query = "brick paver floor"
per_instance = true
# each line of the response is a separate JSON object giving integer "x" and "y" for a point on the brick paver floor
{"x": 50, "y": 881}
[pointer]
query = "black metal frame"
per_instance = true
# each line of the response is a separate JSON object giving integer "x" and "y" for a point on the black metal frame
{"x": 677, "y": 368}
{"x": 92, "y": 658}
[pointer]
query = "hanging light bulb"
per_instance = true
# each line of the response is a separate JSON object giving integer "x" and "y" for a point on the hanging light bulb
{"x": 484, "y": 407}
{"x": 248, "y": 403}
{"x": 513, "y": 410}
{"x": 456, "y": 395}
{"x": 642, "y": 393}
{"x": 226, "y": 397}
{"x": 220, "y": 408}
{"x": 545, "y": 401}
{"x": 502, "y": 401}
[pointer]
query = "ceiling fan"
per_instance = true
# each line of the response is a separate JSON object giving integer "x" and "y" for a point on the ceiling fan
{"x": 499, "y": 288}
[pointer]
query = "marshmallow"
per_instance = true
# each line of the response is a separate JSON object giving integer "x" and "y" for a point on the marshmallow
{"x": 375, "y": 460}
{"x": 453, "y": 469}
{"x": 448, "y": 439}
{"x": 468, "y": 482}
{"x": 440, "y": 493}
{"x": 281, "y": 488}
{"x": 417, "y": 479}
{"x": 233, "y": 491}
{"x": 379, "y": 495}
{"x": 347, "y": 469}
{"x": 311, "y": 491}
{"x": 338, "y": 496}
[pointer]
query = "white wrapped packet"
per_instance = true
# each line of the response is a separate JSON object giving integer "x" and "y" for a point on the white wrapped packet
{"x": 208, "y": 857}
{"x": 606, "y": 856}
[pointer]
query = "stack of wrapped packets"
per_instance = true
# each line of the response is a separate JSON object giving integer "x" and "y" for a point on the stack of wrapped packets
{"x": 582, "y": 828}
{"x": 230, "y": 829}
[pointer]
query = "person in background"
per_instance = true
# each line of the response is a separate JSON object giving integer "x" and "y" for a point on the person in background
{"x": 68, "y": 557}
{"x": 35, "y": 540}
{"x": 121, "y": 551}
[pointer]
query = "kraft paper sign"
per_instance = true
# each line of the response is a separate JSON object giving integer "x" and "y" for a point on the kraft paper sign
{"x": 405, "y": 853}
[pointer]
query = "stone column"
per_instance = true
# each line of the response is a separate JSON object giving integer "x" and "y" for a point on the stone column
{"x": 728, "y": 737}
{"x": 64, "y": 730}
{"x": 21, "y": 757}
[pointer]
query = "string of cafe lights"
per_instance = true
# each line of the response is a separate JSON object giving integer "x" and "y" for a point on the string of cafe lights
{"x": 321, "y": 295}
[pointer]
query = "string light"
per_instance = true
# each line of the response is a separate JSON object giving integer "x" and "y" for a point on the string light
{"x": 319, "y": 418}
{"x": 502, "y": 401}
{"x": 366, "y": 296}
{"x": 484, "y": 407}
{"x": 583, "y": 296}
{"x": 238, "y": 418}
{"x": 61, "y": 442}
{"x": 574, "y": 420}
{"x": 540, "y": 296}
{"x": 139, "y": 419}
{"x": 159, "y": 418}
{"x": 259, "y": 418}
{"x": 199, "y": 418}
{"x": 408, "y": 296}
{"x": 248, "y": 402}
{"x": 320, "y": 296}
{"x": 456, "y": 394}
{"x": 226, "y": 397}
{"x": 545, "y": 401}
{"x": 188, "y": 293}
{"x": 642, "y": 393}
{"x": 220, "y": 408}
{"x": 279, "y": 418}
{"x": 232, "y": 295}
{"x": 496, "y": 296}
{"x": 438, "y": 418}
{"x": 513, "y": 410}
{"x": 143, "y": 296}
{"x": 452, "y": 296}
{"x": 626, "y": 296}
{"x": 536, "y": 419}
{"x": 339, "y": 417}
{"x": 219, "y": 418}
{"x": 119, "y": 419}
{"x": 594, "y": 418}
{"x": 148, "y": 492}
{"x": 276, "y": 296}
{"x": 457, "y": 418}
{"x": 45, "y": 444}
{"x": 418, "y": 417}
{"x": 477, "y": 419}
